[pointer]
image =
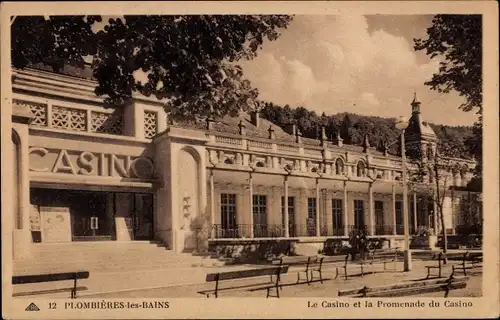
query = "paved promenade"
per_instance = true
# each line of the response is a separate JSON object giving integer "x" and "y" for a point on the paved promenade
{"x": 329, "y": 288}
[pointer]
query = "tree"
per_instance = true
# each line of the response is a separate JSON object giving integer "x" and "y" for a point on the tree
{"x": 431, "y": 174}
{"x": 191, "y": 59}
{"x": 457, "y": 40}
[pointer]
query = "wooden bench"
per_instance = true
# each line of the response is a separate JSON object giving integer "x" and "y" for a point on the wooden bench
{"x": 243, "y": 274}
{"x": 311, "y": 264}
{"x": 439, "y": 266}
{"x": 348, "y": 263}
{"x": 408, "y": 288}
{"x": 39, "y": 278}
{"x": 385, "y": 257}
{"x": 469, "y": 261}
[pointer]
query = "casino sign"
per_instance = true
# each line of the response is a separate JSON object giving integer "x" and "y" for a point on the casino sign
{"x": 90, "y": 163}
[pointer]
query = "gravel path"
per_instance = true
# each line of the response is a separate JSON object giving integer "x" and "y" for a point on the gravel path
{"x": 329, "y": 288}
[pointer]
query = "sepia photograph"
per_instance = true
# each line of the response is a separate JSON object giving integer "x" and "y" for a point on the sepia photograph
{"x": 273, "y": 156}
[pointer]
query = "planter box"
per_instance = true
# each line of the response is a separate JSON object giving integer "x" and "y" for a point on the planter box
{"x": 420, "y": 242}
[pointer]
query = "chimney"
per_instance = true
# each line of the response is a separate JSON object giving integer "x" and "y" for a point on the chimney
{"x": 272, "y": 135}
{"x": 366, "y": 143}
{"x": 241, "y": 127}
{"x": 254, "y": 117}
{"x": 338, "y": 140}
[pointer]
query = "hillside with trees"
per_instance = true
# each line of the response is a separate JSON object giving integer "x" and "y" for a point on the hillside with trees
{"x": 353, "y": 127}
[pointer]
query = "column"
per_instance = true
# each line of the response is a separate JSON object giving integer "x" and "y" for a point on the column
{"x": 346, "y": 215}
{"x": 318, "y": 233}
{"x": 328, "y": 211}
{"x": 371, "y": 221}
{"x": 394, "y": 221}
{"x": 285, "y": 207}
{"x": 434, "y": 216}
{"x": 212, "y": 204}
{"x": 415, "y": 211}
{"x": 250, "y": 198}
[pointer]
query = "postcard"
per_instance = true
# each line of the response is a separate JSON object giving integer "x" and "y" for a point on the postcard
{"x": 281, "y": 159}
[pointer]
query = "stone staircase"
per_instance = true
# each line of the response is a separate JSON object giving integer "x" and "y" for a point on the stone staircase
{"x": 113, "y": 266}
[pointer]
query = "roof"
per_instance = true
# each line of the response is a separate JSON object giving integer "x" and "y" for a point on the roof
{"x": 416, "y": 126}
{"x": 230, "y": 125}
{"x": 84, "y": 72}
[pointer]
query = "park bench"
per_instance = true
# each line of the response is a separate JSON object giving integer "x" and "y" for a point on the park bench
{"x": 384, "y": 256}
{"x": 311, "y": 264}
{"x": 244, "y": 274}
{"x": 348, "y": 263}
{"x": 439, "y": 266}
{"x": 39, "y": 278}
{"x": 408, "y": 288}
{"x": 468, "y": 261}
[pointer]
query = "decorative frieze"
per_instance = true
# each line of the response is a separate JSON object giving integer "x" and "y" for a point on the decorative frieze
{"x": 38, "y": 110}
{"x": 150, "y": 124}
{"x": 110, "y": 123}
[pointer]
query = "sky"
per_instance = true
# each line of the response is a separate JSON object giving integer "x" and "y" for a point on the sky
{"x": 360, "y": 64}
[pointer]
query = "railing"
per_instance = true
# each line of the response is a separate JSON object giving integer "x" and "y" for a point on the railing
{"x": 287, "y": 148}
{"x": 383, "y": 229}
{"x": 400, "y": 230}
{"x": 259, "y": 144}
{"x": 243, "y": 231}
{"x": 332, "y": 232}
{"x": 268, "y": 231}
{"x": 301, "y": 230}
{"x": 304, "y": 230}
{"x": 354, "y": 229}
{"x": 228, "y": 140}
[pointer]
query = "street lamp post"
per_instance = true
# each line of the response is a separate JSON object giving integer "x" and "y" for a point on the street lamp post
{"x": 402, "y": 124}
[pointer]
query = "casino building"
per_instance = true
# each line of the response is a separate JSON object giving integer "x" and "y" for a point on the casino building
{"x": 89, "y": 172}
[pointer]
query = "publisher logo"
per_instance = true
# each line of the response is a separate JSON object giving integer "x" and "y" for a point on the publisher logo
{"x": 32, "y": 307}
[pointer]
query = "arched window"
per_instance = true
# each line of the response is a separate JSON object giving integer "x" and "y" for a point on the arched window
{"x": 361, "y": 169}
{"x": 339, "y": 166}
{"x": 16, "y": 179}
{"x": 228, "y": 161}
{"x": 260, "y": 164}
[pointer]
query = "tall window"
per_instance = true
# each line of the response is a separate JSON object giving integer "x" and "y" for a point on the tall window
{"x": 311, "y": 215}
{"x": 259, "y": 216}
{"x": 339, "y": 166}
{"x": 379, "y": 217}
{"x": 337, "y": 217}
{"x": 228, "y": 215}
{"x": 361, "y": 169}
{"x": 399, "y": 217}
{"x": 291, "y": 215}
{"x": 359, "y": 214}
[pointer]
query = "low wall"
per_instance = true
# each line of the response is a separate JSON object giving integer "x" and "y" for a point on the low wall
{"x": 264, "y": 250}
{"x": 462, "y": 241}
{"x": 252, "y": 250}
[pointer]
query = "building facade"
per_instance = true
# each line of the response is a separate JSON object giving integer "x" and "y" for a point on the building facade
{"x": 85, "y": 171}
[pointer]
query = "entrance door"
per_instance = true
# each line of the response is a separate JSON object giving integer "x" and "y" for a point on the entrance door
{"x": 143, "y": 217}
{"x": 90, "y": 217}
